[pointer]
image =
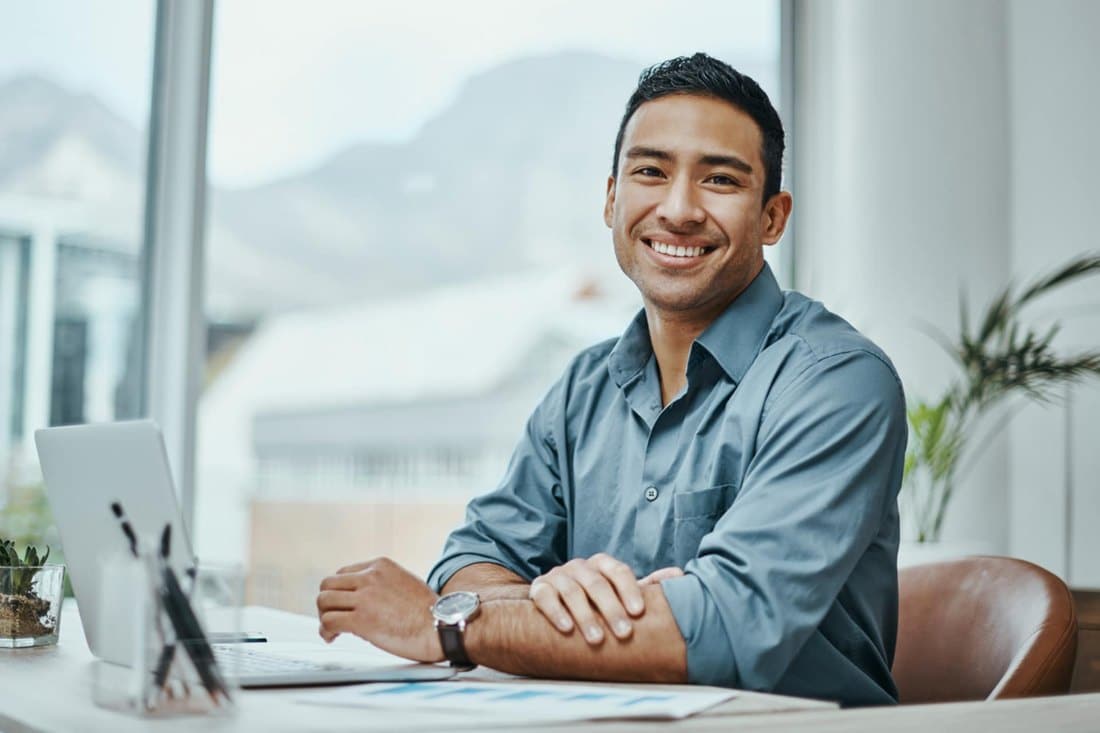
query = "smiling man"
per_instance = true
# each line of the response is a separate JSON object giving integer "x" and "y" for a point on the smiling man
{"x": 709, "y": 498}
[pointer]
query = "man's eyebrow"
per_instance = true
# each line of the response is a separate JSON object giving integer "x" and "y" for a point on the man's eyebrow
{"x": 640, "y": 151}
{"x": 729, "y": 160}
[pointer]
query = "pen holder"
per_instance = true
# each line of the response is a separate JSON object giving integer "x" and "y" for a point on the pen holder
{"x": 152, "y": 624}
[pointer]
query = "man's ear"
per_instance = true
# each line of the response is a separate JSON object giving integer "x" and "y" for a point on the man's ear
{"x": 609, "y": 203}
{"x": 777, "y": 211}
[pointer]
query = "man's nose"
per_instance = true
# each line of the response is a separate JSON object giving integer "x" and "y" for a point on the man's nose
{"x": 680, "y": 206}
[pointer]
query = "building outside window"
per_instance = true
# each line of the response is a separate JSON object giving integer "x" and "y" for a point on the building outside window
{"x": 74, "y": 103}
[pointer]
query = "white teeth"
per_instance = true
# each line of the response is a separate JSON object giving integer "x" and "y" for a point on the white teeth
{"x": 667, "y": 249}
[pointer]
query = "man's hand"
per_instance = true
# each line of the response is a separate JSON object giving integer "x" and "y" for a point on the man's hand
{"x": 580, "y": 589}
{"x": 383, "y": 603}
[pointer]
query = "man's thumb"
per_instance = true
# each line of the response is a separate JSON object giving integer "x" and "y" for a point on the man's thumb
{"x": 662, "y": 574}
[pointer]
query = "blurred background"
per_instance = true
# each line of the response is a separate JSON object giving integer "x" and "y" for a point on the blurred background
{"x": 340, "y": 249}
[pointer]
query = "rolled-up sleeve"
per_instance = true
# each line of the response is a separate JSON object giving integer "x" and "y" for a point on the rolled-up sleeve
{"x": 826, "y": 471}
{"x": 521, "y": 525}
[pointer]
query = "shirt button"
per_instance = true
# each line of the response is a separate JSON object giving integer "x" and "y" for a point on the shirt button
{"x": 651, "y": 493}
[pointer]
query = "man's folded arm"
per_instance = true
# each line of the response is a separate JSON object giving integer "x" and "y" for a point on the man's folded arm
{"x": 822, "y": 483}
{"x": 513, "y": 636}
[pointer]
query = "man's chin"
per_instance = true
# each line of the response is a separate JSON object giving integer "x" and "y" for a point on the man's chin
{"x": 678, "y": 302}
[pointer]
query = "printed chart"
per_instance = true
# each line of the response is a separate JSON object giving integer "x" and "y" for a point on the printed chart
{"x": 542, "y": 702}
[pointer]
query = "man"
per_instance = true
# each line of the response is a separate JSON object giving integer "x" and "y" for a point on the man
{"x": 710, "y": 498}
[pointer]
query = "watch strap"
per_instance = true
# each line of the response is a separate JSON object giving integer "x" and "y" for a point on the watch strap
{"x": 452, "y": 639}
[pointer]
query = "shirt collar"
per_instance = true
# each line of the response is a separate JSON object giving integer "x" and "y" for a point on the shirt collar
{"x": 631, "y": 352}
{"x": 733, "y": 339}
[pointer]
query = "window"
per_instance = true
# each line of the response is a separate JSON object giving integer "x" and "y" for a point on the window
{"x": 74, "y": 100}
{"x": 405, "y": 246}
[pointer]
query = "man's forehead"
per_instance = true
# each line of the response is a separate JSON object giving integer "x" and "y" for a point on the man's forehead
{"x": 694, "y": 125}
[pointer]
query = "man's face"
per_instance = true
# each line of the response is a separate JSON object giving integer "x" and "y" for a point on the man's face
{"x": 686, "y": 211}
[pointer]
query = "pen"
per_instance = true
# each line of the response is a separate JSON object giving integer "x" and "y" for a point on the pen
{"x": 168, "y": 653}
{"x": 165, "y": 658}
{"x": 190, "y": 634}
{"x": 127, "y": 530}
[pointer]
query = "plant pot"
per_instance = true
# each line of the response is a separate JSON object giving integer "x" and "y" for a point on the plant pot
{"x": 30, "y": 613}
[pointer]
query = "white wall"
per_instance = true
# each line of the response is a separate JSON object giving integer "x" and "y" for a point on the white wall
{"x": 924, "y": 172}
{"x": 1055, "y": 155}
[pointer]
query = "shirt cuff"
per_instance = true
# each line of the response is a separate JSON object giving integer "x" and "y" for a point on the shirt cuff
{"x": 709, "y": 654}
{"x": 442, "y": 572}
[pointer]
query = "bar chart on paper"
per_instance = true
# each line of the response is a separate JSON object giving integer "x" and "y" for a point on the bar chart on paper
{"x": 532, "y": 701}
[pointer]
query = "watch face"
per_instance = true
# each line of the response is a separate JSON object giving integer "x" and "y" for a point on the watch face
{"x": 455, "y": 607}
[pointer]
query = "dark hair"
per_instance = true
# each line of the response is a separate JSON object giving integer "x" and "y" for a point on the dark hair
{"x": 706, "y": 76}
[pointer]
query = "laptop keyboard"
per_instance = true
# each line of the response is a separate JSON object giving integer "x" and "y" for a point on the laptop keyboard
{"x": 241, "y": 660}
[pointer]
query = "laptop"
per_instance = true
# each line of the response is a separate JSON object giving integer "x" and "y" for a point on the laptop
{"x": 86, "y": 468}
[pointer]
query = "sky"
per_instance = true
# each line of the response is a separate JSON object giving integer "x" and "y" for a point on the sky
{"x": 293, "y": 82}
{"x": 103, "y": 47}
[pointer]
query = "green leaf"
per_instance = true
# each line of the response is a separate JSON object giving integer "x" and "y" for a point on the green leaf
{"x": 24, "y": 569}
{"x": 1088, "y": 264}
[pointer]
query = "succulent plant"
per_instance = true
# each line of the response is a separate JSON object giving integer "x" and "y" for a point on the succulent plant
{"x": 24, "y": 569}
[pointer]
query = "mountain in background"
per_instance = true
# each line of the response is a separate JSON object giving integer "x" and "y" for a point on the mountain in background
{"x": 509, "y": 176}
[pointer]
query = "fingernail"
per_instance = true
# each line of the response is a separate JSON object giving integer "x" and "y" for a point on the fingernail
{"x": 623, "y": 628}
{"x": 594, "y": 633}
{"x": 636, "y": 607}
{"x": 564, "y": 623}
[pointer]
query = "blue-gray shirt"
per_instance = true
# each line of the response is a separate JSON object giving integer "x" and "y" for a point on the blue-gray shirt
{"x": 771, "y": 479}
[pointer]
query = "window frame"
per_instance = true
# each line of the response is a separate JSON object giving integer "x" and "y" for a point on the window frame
{"x": 173, "y": 334}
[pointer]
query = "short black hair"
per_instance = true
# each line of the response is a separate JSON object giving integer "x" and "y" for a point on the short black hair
{"x": 706, "y": 76}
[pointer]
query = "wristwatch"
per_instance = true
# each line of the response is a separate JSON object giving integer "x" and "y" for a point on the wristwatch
{"x": 452, "y": 612}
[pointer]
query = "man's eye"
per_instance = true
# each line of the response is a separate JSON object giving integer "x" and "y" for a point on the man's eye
{"x": 723, "y": 180}
{"x": 649, "y": 171}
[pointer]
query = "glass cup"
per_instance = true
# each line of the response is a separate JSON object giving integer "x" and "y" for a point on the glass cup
{"x": 30, "y": 605}
{"x": 158, "y": 623}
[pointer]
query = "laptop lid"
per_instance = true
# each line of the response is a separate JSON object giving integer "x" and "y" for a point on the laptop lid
{"x": 88, "y": 467}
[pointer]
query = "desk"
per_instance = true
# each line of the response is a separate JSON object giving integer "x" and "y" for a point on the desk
{"x": 50, "y": 689}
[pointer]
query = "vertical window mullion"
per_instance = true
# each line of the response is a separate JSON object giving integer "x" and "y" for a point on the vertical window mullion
{"x": 174, "y": 232}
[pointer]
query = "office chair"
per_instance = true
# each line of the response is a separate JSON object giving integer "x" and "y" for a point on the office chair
{"x": 983, "y": 628}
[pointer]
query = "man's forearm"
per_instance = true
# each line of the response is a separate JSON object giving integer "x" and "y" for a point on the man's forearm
{"x": 513, "y": 636}
{"x": 491, "y": 582}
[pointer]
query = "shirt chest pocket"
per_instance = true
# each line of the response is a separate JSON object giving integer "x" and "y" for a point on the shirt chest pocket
{"x": 694, "y": 514}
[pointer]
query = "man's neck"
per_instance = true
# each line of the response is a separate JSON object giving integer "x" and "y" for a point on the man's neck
{"x": 672, "y": 335}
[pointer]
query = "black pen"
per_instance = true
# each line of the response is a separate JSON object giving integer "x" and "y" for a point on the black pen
{"x": 127, "y": 530}
{"x": 189, "y": 633}
{"x": 165, "y": 655}
{"x": 168, "y": 653}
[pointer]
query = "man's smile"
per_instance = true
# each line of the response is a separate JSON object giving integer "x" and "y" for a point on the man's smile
{"x": 678, "y": 254}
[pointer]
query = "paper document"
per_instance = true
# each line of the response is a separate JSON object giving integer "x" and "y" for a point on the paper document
{"x": 525, "y": 701}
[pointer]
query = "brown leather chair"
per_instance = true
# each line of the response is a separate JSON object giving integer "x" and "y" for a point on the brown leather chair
{"x": 982, "y": 628}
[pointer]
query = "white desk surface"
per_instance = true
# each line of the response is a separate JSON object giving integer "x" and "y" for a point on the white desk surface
{"x": 50, "y": 689}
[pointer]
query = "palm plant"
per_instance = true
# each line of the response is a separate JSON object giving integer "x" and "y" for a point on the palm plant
{"x": 999, "y": 359}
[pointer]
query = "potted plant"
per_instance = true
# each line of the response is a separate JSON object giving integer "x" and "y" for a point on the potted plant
{"x": 30, "y": 597}
{"x": 999, "y": 359}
